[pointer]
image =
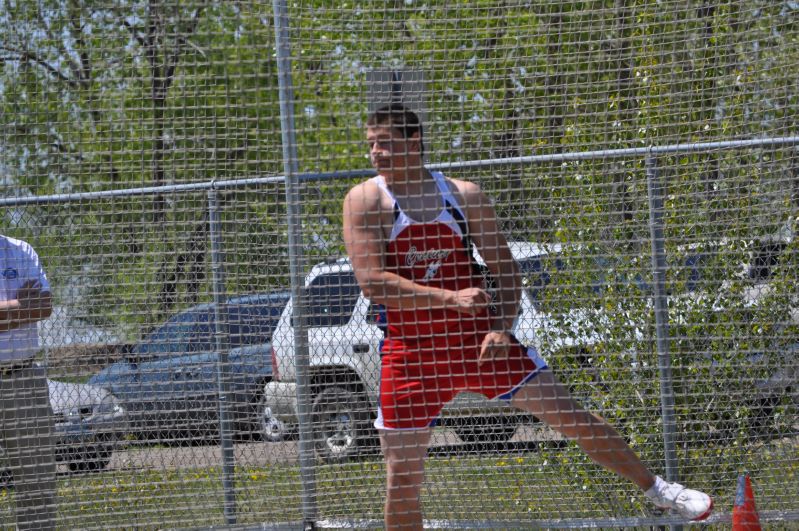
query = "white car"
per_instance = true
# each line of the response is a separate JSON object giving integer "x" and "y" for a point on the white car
{"x": 344, "y": 342}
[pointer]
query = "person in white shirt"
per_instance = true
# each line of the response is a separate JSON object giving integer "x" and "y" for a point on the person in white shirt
{"x": 26, "y": 418}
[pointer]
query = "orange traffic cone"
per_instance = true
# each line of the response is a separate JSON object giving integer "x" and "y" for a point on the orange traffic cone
{"x": 744, "y": 512}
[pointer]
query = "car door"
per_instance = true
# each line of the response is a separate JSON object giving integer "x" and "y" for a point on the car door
{"x": 251, "y": 323}
{"x": 337, "y": 335}
{"x": 366, "y": 328}
{"x": 173, "y": 383}
{"x": 194, "y": 390}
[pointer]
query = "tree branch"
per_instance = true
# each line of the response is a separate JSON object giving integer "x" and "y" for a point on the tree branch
{"x": 26, "y": 56}
{"x": 84, "y": 67}
{"x": 181, "y": 43}
{"x": 59, "y": 44}
{"x": 134, "y": 33}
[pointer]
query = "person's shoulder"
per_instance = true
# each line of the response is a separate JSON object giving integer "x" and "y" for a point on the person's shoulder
{"x": 365, "y": 195}
{"x": 368, "y": 188}
{"x": 15, "y": 245}
{"x": 467, "y": 190}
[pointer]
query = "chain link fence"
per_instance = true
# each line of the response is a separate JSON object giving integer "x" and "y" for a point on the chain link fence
{"x": 180, "y": 167}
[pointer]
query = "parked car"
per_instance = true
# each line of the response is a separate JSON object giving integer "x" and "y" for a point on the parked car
{"x": 89, "y": 422}
{"x": 168, "y": 381}
{"x": 578, "y": 334}
{"x": 344, "y": 341}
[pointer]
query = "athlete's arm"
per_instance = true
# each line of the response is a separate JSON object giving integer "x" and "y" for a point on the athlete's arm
{"x": 365, "y": 244}
{"x": 493, "y": 247}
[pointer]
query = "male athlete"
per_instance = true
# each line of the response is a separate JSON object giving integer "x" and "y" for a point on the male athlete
{"x": 408, "y": 233}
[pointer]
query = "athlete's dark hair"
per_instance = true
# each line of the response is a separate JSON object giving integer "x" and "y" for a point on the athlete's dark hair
{"x": 400, "y": 118}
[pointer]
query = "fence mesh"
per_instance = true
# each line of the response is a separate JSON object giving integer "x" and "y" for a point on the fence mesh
{"x": 145, "y": 155}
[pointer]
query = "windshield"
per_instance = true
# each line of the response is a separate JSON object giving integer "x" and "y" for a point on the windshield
{"x": 332, "y": 298}
{"x": 190, "y": 331}
{"x": 250, "y": 321}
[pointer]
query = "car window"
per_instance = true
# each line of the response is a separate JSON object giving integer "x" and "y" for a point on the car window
{"x": 693, "y": 265}
{"x": 254, "y": 323}
{"x": 765, "y": 257}
{"x": 331, "y": 299}
{"x": 536, "y": 276}
{"x": 189, "y": 331}
{"x": 606, "y": 272}
{"x": 763, "y": 260}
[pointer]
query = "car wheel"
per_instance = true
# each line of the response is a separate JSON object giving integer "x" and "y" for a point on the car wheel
{"x": 90, "y": 459}
{"x": 340, "y": 421}
{"x": 269, "y": 427}
{"x": 498, "y": 429}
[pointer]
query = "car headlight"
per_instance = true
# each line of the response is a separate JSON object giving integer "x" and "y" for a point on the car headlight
{"x": 78, "y": 413}
{"x": 109, "y": 405}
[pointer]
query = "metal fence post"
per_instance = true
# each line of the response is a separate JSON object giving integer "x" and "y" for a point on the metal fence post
{"x": 307, "y": 456}
{"x": 222, "y": 368}
{"x": 657, "y": 234}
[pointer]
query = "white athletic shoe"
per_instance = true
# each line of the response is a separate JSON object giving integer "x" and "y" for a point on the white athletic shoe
{"x": 690, "y": 504}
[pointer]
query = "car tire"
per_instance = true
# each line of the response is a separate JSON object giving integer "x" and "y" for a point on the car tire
{"x": 341, "y": 423}
{"x": 496, "y": 429}
{"x": 89, "y": 459}
{"x": 269, "y": 427}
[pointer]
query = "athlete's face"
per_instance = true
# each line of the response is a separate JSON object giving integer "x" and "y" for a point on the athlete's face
{"x": 392, "y": 154}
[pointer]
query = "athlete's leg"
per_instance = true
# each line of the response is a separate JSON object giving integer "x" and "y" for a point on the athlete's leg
{"x": 404, "y": 451}
{"x": 548, "y": 400}
{"x": 551, "y": 402}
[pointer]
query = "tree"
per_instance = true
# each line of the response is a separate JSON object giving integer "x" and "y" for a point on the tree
{"x": 141, "y": 93}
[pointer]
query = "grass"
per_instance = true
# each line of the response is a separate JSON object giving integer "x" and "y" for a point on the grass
{"x": 530, "y": 486}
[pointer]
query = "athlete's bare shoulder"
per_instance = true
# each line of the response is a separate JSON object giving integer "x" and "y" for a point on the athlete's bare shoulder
{"x": 467, "y": 192}
{"x": 366, "y": 222}
{"x": 364, "y": 197}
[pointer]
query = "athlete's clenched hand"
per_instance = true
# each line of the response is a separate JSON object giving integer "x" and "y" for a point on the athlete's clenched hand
{"x": 470, "y": 301}
{"x": 495, "y": 346}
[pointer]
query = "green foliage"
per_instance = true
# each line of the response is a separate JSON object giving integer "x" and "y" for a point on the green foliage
{"x": 138, "y": 94}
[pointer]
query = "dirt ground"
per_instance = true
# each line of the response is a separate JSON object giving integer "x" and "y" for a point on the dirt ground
{"x": 528, "y": 438}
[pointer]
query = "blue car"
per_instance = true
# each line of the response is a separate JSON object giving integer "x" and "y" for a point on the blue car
{"x": 168, "y": 381}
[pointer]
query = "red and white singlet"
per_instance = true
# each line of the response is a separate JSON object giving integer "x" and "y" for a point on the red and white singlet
{"x": 430, "y": 355}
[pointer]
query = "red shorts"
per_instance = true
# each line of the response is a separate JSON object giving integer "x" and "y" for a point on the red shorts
{"x": 416, "y": 382}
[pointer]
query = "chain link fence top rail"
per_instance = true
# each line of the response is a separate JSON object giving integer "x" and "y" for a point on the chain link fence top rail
{"x": 180, "y": 167}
